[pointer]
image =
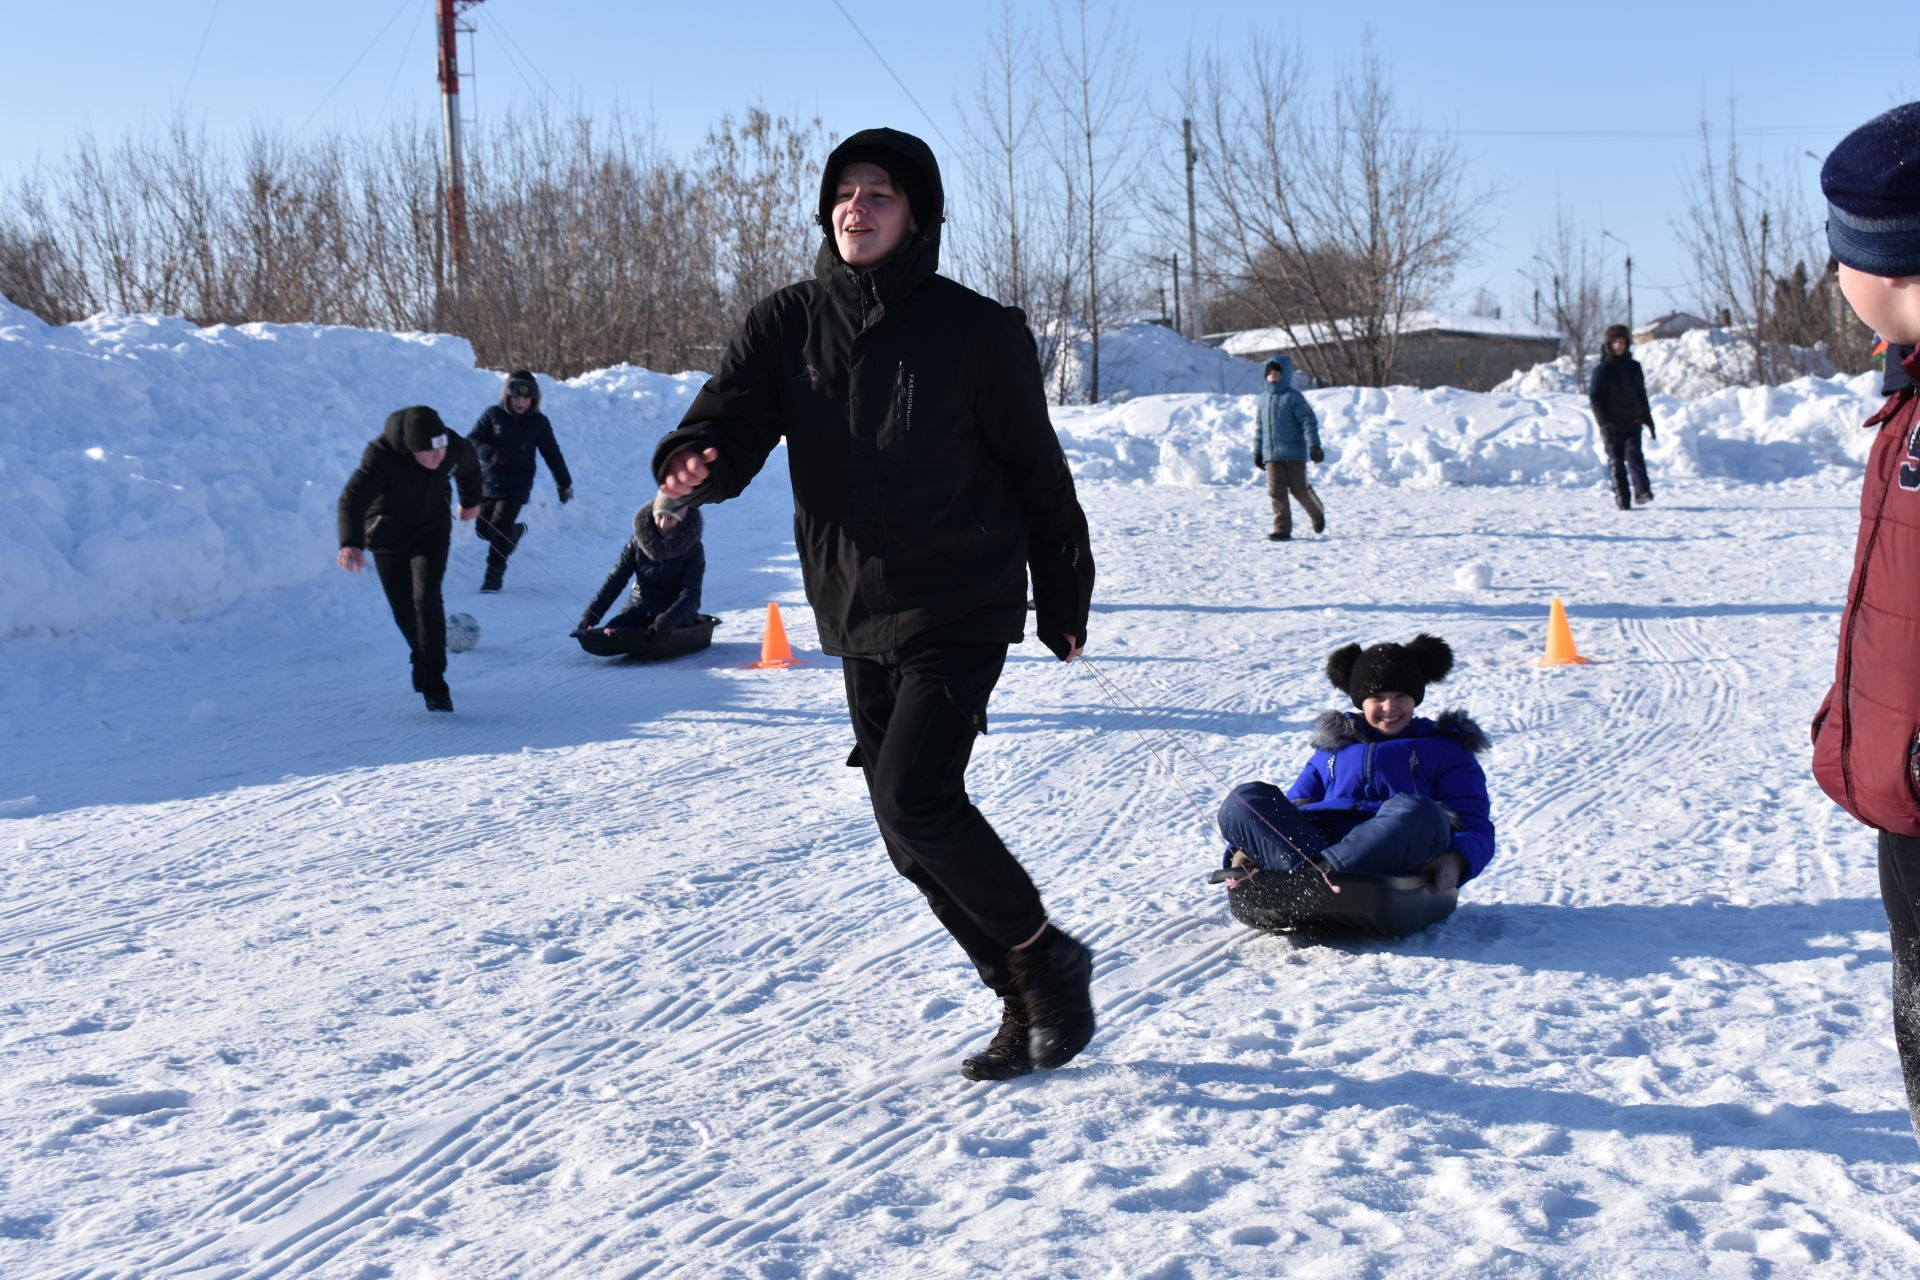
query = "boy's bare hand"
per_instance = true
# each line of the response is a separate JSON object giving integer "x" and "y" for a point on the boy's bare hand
{"x": 352, "y": 559}
{"x": 687, "y": 471}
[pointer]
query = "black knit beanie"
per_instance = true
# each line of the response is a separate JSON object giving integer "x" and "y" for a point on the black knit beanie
{"x": 1390, "y": 668}
{"x": 421, "y": 429}
{"x": 1872, "y": 185}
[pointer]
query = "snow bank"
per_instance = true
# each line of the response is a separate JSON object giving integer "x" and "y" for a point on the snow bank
{"x": 1697, "y": 363}
{"x": 1148, "y": 360}
{"x": 1408, "y": 436}
{"x": 158, "y": 469}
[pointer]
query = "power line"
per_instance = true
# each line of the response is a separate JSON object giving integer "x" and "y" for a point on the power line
{"x": 493, "y": 20}
{"x": 378, "y": 35}
{"x": 890, "y": 71}
{"x": 406, "y": 56}
{"x": 204, "y": 33}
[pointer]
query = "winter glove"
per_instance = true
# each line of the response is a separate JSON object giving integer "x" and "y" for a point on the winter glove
{"x": 1651, "y": 433}
{"x": 1259, "y": 463}
{"x": 1317, "y": 454}
{"x": 566, "y": 494}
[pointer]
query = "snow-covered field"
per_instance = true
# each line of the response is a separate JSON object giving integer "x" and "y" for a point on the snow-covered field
{"x": 607, "y": 974}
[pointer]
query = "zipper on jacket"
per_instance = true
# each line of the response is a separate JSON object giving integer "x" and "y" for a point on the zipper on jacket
{"x": 903, "y": 397}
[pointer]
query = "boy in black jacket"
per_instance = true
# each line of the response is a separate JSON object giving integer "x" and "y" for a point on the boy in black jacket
{"x": 928, "y": 484}
{"x": 505, "y": 439}
{"x": 1618, "y": 394}
{"x": 395, "y": 505}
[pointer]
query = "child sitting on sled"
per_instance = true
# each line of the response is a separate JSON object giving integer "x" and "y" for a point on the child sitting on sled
{"x": 667, "y": 565}
{"x": 1386, "y": 792}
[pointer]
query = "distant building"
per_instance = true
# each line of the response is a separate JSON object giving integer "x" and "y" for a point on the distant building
{"x": 1670, "y": 325}
{"x": 1470, "y": 352}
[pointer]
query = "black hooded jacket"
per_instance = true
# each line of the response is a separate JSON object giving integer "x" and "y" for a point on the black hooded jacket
{"x": 1618, "y": 393}
{"x": 392, "y": 503}
{"x": 927, "y": 479}
{"x": 506, "y": 441}
{"x": 666, "y": 567}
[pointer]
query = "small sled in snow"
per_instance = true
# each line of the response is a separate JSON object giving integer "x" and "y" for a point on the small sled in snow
{"x": 1298, "y": 901}
{"x": 636, "y": 643}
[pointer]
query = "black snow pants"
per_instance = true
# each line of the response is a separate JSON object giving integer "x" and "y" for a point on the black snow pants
{"x": 914, "y": 722}
{"x": 495, "y": 528}
{"x": 411, "y": 579}
{"x": 1900, "y": 895}
{"x": 1625, "y": 462}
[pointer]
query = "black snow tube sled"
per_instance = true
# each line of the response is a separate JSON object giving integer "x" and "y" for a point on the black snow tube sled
{"x": 1298, "y": 901}
{"x": 636, "y": 643}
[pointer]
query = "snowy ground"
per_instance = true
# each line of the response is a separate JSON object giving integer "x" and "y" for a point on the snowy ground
{"x": 606, "y": 975}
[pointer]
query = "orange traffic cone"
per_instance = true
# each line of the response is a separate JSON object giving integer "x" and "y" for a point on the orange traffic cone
{"x": 773, "y": 643}
{"x": 1560, "y": 650}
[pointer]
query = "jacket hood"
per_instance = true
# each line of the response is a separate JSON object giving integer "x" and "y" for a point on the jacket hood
{"x": 1336, "y": 729}
{"x": 1285, "y": 366}
{"x": 659, "y": 544}
{"x": 910, "y": 163}
{"x": 520, "y": 375}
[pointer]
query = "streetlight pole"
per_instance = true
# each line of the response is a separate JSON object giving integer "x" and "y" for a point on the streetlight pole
{"x": 1608, "y": 235}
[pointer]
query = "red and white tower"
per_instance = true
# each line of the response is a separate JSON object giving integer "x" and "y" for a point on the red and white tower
{"x": 450, "y": 28}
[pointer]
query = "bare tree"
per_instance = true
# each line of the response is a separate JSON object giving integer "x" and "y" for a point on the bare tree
{"x": 1741, "y": 228}
{"x": 1571, "y": 272}
{"x": 1333, "y": 221}
{"x": 1094, "y": 94}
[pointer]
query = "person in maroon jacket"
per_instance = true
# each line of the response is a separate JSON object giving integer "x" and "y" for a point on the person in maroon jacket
{"x": 1866, "y": 735}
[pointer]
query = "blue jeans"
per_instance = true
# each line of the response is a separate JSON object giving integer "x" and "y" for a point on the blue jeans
{"x": 1407, "y": 832}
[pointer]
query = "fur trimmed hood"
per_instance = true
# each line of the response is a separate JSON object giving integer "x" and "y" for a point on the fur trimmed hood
{"x": 657, "y": 544}
{"x": 1334, "y": 730}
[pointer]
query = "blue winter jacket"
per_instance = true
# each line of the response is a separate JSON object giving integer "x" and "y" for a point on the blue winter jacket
{"x": 667, "y": 570}
{"x": 506, "y": 443}
{"x": 1287, "y": 425}
{"x": 1353, "y": 769}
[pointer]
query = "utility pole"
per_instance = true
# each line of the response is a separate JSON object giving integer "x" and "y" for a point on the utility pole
{"x": 1193, "y": 237}
{"x": 450, "y": 28}
{"x": 1173, "y": 262}
{"x": 1608, "y": 235}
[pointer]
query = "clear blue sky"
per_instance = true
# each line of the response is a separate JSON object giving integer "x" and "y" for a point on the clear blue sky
{"x": 1596, "y": 103}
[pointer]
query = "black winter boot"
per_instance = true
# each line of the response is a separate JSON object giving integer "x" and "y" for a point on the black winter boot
{"x": 1006, "y": 1056}
{"x": 1054, "y": 977}
{"x": 437, "y": 695}
{"x": 491, "y": 582}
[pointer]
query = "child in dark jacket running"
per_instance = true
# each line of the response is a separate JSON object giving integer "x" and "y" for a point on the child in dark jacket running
{"x": 1386, "y": 791}
{"x": 506, "y": 438}
{"x": 395, "y": 505}
{"x": 666, "y": 564}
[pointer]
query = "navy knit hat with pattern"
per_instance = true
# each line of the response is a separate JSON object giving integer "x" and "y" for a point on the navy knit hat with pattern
{"x": 1872, "y": 185}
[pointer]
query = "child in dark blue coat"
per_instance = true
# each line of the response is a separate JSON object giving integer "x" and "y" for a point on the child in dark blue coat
{"x": 666, "y": 563}
{"x": 1386, "y": 791}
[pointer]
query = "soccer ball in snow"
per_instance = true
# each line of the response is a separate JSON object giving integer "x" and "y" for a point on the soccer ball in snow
{"x": 462, "y": 632}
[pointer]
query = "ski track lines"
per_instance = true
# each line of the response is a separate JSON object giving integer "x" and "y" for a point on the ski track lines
{"x": 508, "y": 1103}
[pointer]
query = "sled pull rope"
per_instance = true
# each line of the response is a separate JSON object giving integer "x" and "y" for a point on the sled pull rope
{"x": 1114, "y": 693}
{"x": 551, "y": 580}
